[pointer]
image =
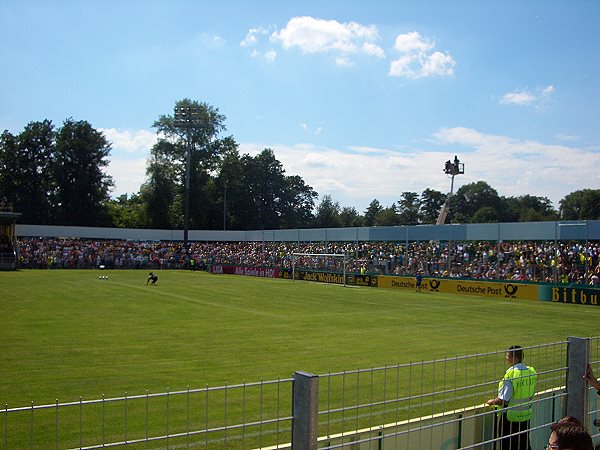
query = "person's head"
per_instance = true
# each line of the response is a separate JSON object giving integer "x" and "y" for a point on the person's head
{"x": 570, "y": 437}
{"x": 566, "y": 421}
{"x": 514, "y": 354}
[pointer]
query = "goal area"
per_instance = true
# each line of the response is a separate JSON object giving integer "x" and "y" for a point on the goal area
{"x": 330, "y": 262}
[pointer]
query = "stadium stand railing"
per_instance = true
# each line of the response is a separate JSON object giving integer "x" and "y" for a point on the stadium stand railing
{"x": 436, "y": 404}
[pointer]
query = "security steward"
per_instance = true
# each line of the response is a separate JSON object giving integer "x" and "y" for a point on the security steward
{"x": 514, "y": 403}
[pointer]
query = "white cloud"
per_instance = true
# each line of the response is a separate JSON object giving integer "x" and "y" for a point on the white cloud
{"x": 271, "y": 55}
{"x": 130, "y": 150}
{"x": 253, "y": 36}
{"x": 525, "y": 97}
{"x": 128, "y": 174}
{"x": 313, "y": 35}
{"x": 418, "y": 60}
{"x": 138, "y": 141}
{"x": 517, "y": 167}
{"x": 567, "y": 137}
{"x": 307, "y": 129}
{"x": 343, "y": 61}
{"x": 354, "y": 176}
{"x": 548, "y": 90}
{"x": 373, "y": 50}
{"x": 518, "y": 98}
{"x": 412, "y": 43}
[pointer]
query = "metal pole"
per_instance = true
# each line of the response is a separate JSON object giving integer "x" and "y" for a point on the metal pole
{"x": 186, "y": 200}
{"x": 186, "y": 117}
{"x": 305, "y": 410}
{"x": 587, "y": 275}
{"x": 555, "y": 256}
{"x": 225, "y": 207}
{"x": 577, "y": 392}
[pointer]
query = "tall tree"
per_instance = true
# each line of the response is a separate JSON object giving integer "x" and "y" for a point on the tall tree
{"x": 9, "y": 170}
{"x": 80, "y": 185}
{"x": 387, "y": 217}
{"x": 162, "y": 202}
{"x": 297, "y": 203}
{"x": 408, "y": 208}
{"x": 581, "y": 205}
{"x": 526, "y": 208}
{"x": 231, "y": 190}
{"x": 328, "y": 213}
{"x": 373, "y": 209}
{"x": 198, "y": 135}
{"x": 126, "y": 211}
{"x": 470, "y": 198}
{"x": 265, "y": 182}
{"x": 431, "y": 205}
{"x": 26, "y": 175}
{"x": 349, "y": 217}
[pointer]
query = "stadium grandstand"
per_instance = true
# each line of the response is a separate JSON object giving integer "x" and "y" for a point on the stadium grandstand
{"x": 566, "y": 252}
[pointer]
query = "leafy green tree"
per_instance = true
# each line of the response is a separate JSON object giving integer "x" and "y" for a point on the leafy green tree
{"x": 160, "y": 194}
{"x": 232, "y": 192}
{"x": 485, "y": 214}
{"x": 25, "y": 175}
{"x": 408, "y": 208}
{"x": 470, "y": 198}
{"x": 9, "y": 169}
{"x": 527, "y": 208}
{"x": 297, "y": 203}
{"x": 126, "y": 212}
{"x": 198, "y": 135}
{"x": 328, "y": 213}
{"x": 349, "y": 217}
{"x": 265, "y": 180}
{"x": 80, "y": 187}
{"x": 373, "y": 209}
{"x": 581, "y": 205}
{"x": 430, "y": 205}
{"x": 387, "y": 217}
{"x": 35, "y": 155}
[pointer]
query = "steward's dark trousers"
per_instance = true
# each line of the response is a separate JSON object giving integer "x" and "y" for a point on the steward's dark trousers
{"x": 511, "y": 435}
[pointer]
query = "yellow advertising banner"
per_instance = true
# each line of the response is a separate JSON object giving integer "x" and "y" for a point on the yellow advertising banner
{"x": 464, "y": 287}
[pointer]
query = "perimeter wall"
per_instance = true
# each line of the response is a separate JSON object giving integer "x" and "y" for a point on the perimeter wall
{"x": 583, "y": 230}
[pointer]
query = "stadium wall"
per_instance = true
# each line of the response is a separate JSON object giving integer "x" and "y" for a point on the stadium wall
{"x": 522, "y": 231}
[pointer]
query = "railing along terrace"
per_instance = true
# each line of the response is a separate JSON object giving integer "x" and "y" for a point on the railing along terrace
{"x": 432, "y": 404}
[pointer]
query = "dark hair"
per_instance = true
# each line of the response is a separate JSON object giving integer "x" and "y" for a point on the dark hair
{"x": 567, "y": 421}
{"x": 516, "y": 351}
{"x": 573, "y": 437}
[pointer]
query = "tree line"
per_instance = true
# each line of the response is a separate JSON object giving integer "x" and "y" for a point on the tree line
{"x": 55, "y": 176}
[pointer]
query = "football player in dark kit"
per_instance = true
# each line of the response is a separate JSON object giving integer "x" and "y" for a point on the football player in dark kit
{"x": 151, "y": 279}
{"x": 419, "y": 280}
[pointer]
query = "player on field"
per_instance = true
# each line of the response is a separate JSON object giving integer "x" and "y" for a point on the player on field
{"x": 152, "y": 279}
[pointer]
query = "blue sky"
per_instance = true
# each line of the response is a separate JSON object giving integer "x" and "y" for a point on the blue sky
{"x": 362, "y": 99}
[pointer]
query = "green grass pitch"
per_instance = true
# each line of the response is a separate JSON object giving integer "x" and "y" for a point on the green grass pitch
{"x": 66, "y": 334}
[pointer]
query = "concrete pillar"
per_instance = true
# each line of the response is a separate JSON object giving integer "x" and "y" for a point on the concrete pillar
{"x": 305, "y": 409}
{"x": 577, "y": 361}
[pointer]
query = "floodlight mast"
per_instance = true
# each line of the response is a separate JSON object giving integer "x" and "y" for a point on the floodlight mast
{"x": 451, "y": 168}
{"x": 187, "y": 117}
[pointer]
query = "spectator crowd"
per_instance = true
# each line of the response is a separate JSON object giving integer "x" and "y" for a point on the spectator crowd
{"x": 538, "y": 261}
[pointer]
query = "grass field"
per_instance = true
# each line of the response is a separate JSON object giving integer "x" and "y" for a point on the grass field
{"x": 66, "y": 334}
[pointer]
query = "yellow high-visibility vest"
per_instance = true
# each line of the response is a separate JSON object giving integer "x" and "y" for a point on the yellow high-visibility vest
{"x": 520, "y": 407}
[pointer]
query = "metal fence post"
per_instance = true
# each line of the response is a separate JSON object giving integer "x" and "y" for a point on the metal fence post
{"x": 305, "y": 409}
{"x": 577, "y": 360}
